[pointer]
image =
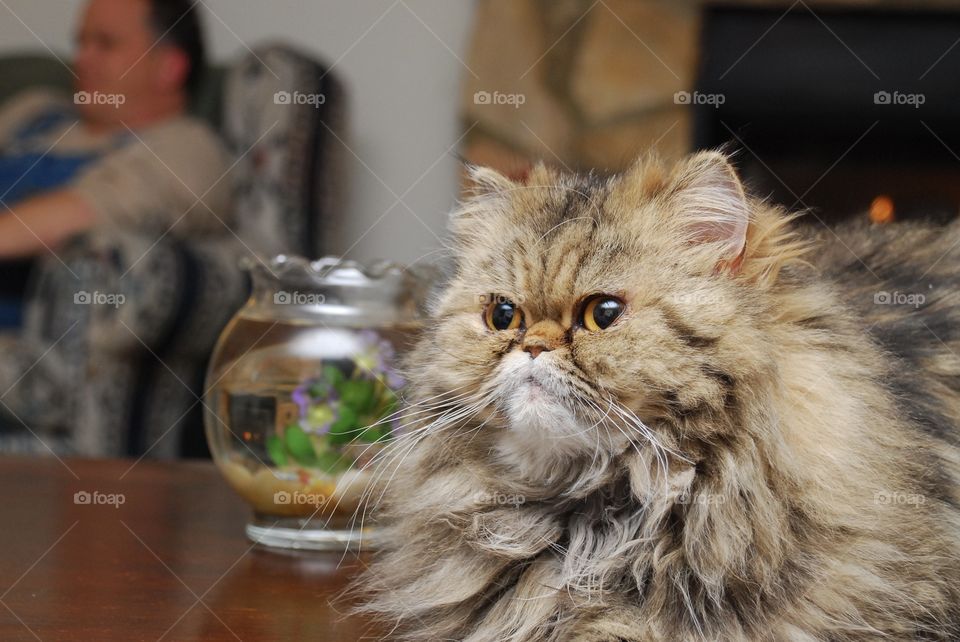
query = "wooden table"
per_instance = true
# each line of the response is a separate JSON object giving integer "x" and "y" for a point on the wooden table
{"x": 169, "y": 563}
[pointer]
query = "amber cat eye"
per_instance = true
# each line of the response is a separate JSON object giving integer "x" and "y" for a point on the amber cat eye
{"x": 601, "y": 311}
{"x": 502, "y": 315}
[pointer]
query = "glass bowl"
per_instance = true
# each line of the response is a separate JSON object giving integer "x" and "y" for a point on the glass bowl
{"x": 303, "y": 392}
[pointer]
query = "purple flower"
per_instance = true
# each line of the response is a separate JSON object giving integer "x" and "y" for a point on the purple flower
{"x": 302, "y": 398}
{"x": 375, "y": 360}
{"x": 317, "y": 402}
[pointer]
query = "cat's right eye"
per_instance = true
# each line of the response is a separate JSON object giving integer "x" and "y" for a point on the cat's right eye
{"x": 601, "y": 311}
{"x": 502, "y": 315}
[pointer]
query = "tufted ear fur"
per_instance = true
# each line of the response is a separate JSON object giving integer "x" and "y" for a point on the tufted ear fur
{"x": 485, "y": 181}
{"x": 486, "y": 197}
{"x": 711, "y": 198}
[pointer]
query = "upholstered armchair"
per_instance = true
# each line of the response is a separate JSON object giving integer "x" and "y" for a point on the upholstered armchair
{"x": 125, "y": 376}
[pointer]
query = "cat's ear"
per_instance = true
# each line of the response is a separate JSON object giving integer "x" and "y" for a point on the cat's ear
{"x": 486, "y": 181}
{"x": 713, "y": 206}
{"x": 485, "y": 193}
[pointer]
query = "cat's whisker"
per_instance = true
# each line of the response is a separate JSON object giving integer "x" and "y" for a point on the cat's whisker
{"x": 463, "y": 414}
{"x": 653, "y": 443}
{"x": 446, "y": 420}
{"x": 596, "y": 451}
{"x": 647, "y": 434}
{"x": 414, "y": 440}
{"x": 408, "y": 412}
{"x": 476, "y": 431}
{"x": 599, "y": 421}
{"x": 658, "y": 449}
{"x": 428, "y": 422}
{"x": 395, "y": 440}
{"x": 640, "y": 422}
{"x": 445, "y": 393}
{"x": 432, "y": 401}
{"x": 408, "y": 418}
{"x": 569, "y": 220}
{"x": 439, "y": 411}
{"x": 636, "y": 423}
{"x": 365, "y": 504}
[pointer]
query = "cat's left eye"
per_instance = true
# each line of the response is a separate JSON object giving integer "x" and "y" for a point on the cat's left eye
{"x": 601, "y": 311}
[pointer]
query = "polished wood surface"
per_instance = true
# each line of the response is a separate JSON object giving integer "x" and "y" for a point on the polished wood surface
{"x": 170, "y": 562}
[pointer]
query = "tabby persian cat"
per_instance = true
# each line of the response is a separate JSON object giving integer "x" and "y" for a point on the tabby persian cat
{"x": 648, "y": 408}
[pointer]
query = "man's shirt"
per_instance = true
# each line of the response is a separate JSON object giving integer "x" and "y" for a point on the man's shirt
{"x": 169, "y": 177}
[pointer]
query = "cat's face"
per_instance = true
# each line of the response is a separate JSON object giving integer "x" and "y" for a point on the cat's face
{"x": 585, "y": 312}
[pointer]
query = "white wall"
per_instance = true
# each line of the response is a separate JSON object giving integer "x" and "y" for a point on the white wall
{"x": 403, "y": 85}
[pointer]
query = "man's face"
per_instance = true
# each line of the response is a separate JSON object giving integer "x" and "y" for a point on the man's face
{"x": 119, "y": 65}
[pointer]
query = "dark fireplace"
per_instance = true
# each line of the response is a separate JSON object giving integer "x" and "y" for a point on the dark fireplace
{"x": 840, "y": 110}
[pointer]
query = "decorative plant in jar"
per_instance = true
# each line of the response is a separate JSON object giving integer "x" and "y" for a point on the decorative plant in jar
{"x": 303, "y": 391}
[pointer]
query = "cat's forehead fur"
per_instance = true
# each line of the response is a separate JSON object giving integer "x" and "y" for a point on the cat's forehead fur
{"x": 560, "y": 236}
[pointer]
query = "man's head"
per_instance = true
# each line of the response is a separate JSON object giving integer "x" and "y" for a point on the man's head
{"x": 137, "y": 60}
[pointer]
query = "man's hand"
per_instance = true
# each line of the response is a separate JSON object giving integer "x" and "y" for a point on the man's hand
{"x": 42, "y": 223}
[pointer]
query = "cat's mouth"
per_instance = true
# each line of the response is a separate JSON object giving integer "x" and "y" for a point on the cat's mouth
{"x": 535, "y": 389}
{"x": 528, "y": 386}
{"x": 542, "y": 420}
{"x": 544, "y": 388}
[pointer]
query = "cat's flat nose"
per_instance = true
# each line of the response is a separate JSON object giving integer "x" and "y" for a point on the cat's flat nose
{"x": 542, "y": 336}
{"x": 533, "y": 350}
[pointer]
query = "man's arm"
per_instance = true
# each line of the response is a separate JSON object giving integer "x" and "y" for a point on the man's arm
{"x": 36, "y": 224}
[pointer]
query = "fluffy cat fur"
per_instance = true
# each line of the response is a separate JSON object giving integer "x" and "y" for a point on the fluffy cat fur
{"x": 758, "y": 449}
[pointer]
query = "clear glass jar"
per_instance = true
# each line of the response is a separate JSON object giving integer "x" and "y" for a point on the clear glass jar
{"x": 302, "y": 392}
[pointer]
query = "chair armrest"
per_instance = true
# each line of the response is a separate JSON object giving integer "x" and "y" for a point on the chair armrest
{"x": 134, "y": 292}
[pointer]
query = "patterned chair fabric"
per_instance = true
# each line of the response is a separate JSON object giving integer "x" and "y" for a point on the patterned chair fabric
{"x": 289, "y": 110}
{"x": 117, "y": 337}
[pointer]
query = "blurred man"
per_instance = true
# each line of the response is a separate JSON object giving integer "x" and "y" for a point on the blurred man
{"x": 122, "y": 152}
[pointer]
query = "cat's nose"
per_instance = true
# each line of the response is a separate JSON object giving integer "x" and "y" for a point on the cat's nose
{"x": 534, "y": 350}
{"x": 542, "y": 336}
